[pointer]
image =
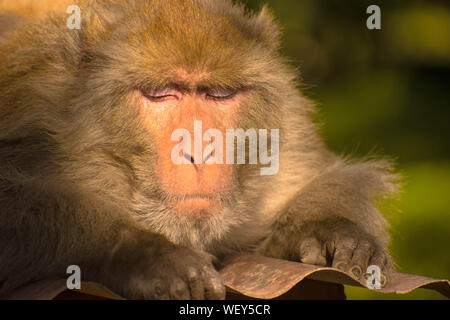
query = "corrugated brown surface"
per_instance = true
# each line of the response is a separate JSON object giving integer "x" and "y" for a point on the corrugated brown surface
{"x": 267, "y": 278}
{"x": 256, "y": 277}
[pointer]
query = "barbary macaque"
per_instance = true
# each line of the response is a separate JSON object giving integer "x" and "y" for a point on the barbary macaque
{"x": 87, "y": 175}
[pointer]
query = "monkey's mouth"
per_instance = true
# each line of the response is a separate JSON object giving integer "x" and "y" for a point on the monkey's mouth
{"x": 195, "y": 197}
{"x": 196, "y": 205}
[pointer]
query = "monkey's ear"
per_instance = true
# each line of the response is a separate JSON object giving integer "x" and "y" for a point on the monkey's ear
{"x": 269, "y": 29}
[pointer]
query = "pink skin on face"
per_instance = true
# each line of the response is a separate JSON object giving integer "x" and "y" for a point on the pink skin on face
{"x": 193, "y": 188}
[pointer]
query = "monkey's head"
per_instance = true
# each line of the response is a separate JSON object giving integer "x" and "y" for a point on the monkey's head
{"x": 138, "y": 72}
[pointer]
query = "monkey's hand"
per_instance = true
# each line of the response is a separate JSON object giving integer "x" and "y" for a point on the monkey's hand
{"x": 338, "y": 243}
{"x": 154, "y": 268}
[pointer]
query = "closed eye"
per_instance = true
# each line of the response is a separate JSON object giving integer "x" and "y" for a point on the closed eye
{"x": 221, "y": 94}
{"x": 160, "y": 94}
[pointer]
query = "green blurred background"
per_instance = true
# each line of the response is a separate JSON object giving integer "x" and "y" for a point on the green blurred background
{"x": 385, "y": 92}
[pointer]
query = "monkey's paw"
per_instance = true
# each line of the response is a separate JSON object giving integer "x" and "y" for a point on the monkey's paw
{"x": 178, "y": 274}
{"x": 336, "y": 243}
{"x": 347, "y": 248}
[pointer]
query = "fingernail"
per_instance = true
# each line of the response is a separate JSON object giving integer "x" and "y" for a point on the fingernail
{"x": 356, "y": 271}
{"x": 383, "y": 280}
{"x": 341, "y": 266}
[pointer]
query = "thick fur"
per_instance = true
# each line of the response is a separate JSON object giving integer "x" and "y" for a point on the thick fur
{"x": 74, "y": 178}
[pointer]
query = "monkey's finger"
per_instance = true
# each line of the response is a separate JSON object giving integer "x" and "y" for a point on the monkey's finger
{"x": 343, "y": 253}
{"x": 360, "y": 259}
{"x": 179, "y": 290}
{"x": 214, "y": 287}
{"x": 312, "y": 252}
{"x": 196, "y": 286}
{"x": 380, "y": 260}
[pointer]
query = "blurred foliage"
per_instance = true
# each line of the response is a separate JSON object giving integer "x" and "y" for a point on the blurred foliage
{"x": 385, "y": 92}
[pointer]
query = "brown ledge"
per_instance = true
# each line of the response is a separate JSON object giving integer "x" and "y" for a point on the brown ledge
{"x": 255, "y": 277}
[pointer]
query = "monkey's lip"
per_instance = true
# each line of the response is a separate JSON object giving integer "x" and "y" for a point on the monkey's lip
{"x": 196, "y": 205}
{"x": 199, "y": 205}
{"x": 185, "y": 197}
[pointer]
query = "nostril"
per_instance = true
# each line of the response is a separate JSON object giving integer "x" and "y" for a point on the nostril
{"x": 189, "y": 158}
{"x": 209, "y": 156}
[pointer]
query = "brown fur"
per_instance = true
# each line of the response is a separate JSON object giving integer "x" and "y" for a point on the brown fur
{"x": 74, "y": 158}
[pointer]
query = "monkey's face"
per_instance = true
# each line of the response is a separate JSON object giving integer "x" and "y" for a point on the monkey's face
{"x": 191, "y": 176}
{"x": 179, "y": 80}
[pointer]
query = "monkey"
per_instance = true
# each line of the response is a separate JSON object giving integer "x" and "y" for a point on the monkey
{"x": 87, "y": 175}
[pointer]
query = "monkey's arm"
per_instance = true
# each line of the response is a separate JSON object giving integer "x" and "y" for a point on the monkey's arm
{"x": 43, "y": 231}
{"x": 333, "y": 220}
